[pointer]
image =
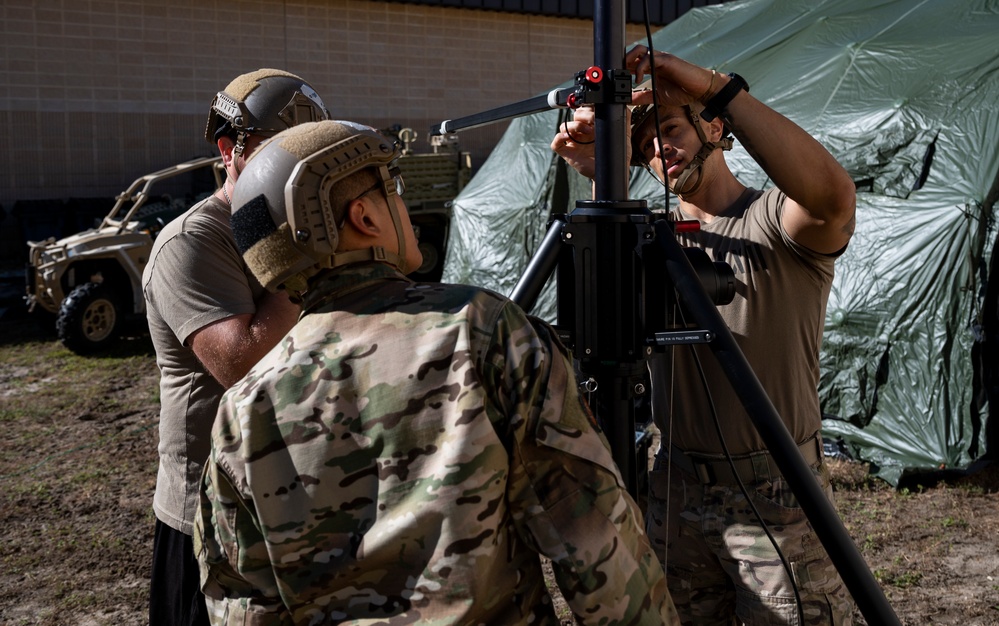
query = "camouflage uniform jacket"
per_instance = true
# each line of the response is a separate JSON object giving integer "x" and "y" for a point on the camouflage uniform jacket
{"x": 403, "y": 456}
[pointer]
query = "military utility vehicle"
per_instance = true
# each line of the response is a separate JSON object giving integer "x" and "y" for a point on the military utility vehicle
{"x": 432, "y": 181}
{"x": 89, "y": 283}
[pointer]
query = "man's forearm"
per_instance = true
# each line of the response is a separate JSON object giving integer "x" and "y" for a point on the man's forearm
{"x": 230, "y": 347}
{"x": 796, "y": 162}
{"x": 275, "y": 316}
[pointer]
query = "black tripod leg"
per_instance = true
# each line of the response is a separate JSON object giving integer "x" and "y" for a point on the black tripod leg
{"x": 540, "y": 268}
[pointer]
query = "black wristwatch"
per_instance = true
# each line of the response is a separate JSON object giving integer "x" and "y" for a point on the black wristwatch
{"x": 714, "y": 107}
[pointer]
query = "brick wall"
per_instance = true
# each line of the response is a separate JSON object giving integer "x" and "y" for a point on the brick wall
{"x": 94, "y": 93}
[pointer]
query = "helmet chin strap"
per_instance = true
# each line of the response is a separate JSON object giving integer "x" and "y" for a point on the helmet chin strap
{"x": 374, "y": 253}
{"x": 400, "y": 237}
{"x": 683, "y": 185}
{"x": 692, "y": 176}
{"x": 237, "y": 150}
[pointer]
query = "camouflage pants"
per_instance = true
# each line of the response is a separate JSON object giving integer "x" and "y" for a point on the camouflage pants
{"x": 721, "y": 567}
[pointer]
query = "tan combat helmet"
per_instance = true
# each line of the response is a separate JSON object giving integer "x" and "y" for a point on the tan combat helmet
{"x": 283, "y": 219}
{"x": 263, "y": 103}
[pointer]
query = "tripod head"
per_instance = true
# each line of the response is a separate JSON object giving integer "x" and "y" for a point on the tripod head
{"x": 592, "y": 86}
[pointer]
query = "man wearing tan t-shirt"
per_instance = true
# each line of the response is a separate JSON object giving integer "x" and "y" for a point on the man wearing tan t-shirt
{"x": 210, "y": 321}
{"x": 781, "y": 243}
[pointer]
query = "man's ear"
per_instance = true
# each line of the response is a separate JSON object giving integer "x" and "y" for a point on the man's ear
{"x": 226, "y": 147}
{"x": 716, "y": 128}
{"x": 362, "y": 218}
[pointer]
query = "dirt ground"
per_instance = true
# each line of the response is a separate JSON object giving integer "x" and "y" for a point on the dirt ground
{"x": 78, "y": 468}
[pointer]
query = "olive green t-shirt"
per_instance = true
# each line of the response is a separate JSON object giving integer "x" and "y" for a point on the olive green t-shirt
{"x": 195, "y": 277}
{"x": 776, "y": 317}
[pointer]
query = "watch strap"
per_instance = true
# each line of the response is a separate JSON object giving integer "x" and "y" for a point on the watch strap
{"x": 718, "y": 102}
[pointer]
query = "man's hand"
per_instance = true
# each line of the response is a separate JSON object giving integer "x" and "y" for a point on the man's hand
{"x": 679, "y": 83}
{"x": 575, "y": 142}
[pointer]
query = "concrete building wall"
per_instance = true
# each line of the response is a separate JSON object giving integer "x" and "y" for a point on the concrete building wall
{"x": 94, "y": 93}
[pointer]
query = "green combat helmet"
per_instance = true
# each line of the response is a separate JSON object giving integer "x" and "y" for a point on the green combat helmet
{"x": 284, "y": 219}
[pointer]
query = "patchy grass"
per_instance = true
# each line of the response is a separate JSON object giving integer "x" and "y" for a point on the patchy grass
{"x": 78, "y": 469}
{"x": 77, "y": 473}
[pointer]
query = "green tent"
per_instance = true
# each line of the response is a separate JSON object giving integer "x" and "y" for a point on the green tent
{"x": 905, "y": 94}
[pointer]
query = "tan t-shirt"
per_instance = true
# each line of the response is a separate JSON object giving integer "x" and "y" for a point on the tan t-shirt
{"x": 776, "y": 317}
{"x": 195, "y": 276}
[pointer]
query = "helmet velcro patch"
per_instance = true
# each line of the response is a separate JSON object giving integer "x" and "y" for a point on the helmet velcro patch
{"x": 241, "y": 86}
{"x": 303, "y": 140}
{"x": 271, "y": 257}
{"x": 251, "y": 223}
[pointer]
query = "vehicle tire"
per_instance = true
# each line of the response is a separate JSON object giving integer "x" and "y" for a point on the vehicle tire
{"x": 90, "y": 319}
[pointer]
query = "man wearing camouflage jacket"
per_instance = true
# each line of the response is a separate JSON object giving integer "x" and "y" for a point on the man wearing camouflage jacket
{"x": 408, "y": 451}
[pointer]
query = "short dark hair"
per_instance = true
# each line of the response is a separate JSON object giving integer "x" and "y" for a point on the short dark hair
{"x": 349, "y": 189}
